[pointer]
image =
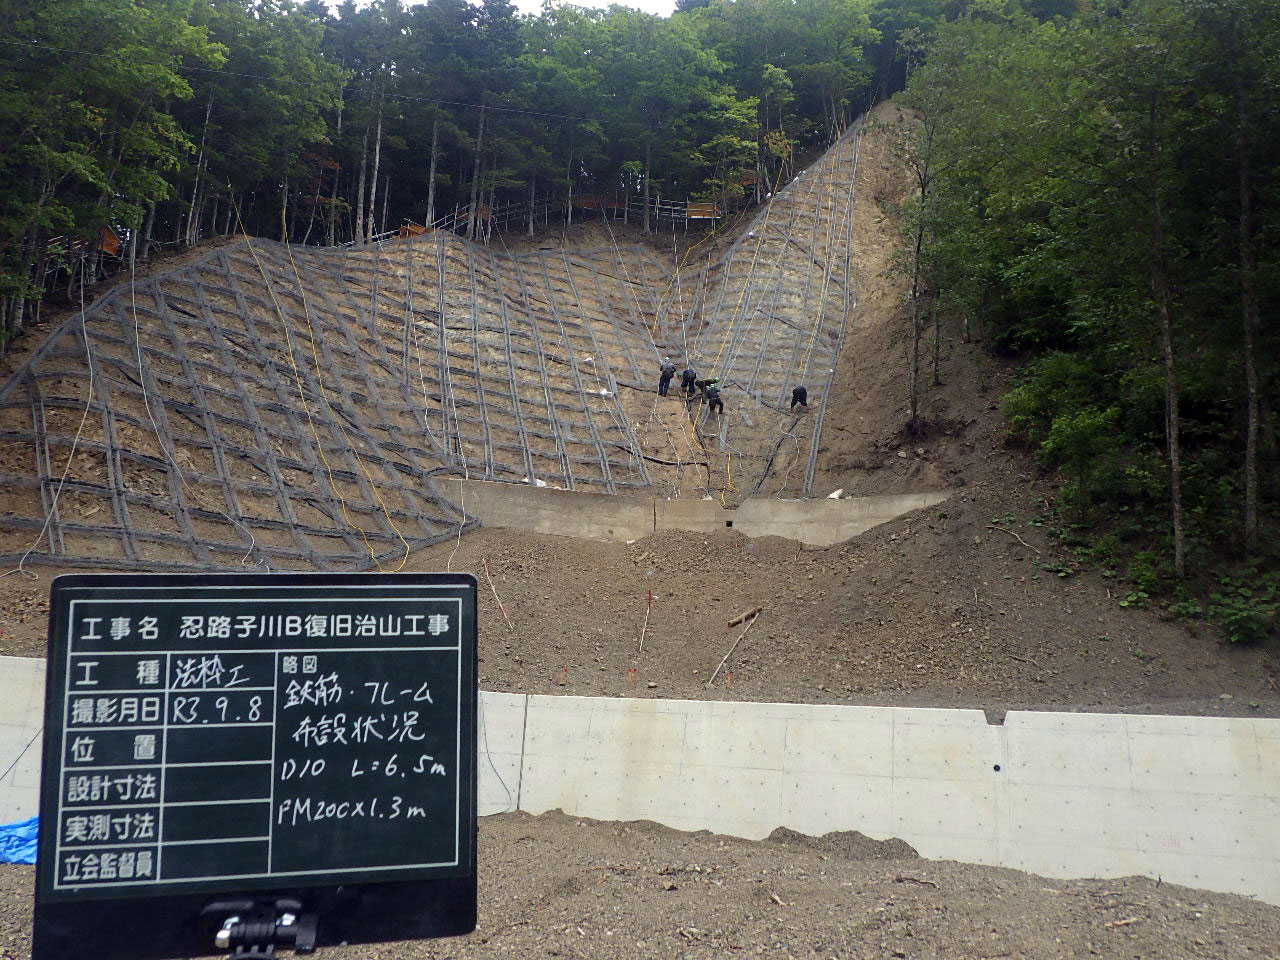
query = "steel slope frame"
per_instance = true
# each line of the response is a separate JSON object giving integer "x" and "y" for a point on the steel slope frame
{"x": 855, "y": 133}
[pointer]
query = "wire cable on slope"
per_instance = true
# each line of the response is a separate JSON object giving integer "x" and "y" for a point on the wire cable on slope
{"x": 57, "y": 493}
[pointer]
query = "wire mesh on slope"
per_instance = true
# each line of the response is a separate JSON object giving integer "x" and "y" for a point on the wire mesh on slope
{"x": 770, "y": 315}
{"x": 290, "y": 406}
{"x": 226, "y": 419}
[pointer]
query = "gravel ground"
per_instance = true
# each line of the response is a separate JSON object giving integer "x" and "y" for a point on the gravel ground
{"x": 558, "y": 886}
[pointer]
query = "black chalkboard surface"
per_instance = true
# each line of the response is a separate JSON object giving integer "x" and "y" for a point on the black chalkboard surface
{"x": 303, "y": 736}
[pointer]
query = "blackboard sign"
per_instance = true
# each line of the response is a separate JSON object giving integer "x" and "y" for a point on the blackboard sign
{"x": 308, "y": 735}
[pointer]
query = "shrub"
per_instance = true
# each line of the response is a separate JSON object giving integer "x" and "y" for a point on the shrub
{"x": 1246, "y": 607}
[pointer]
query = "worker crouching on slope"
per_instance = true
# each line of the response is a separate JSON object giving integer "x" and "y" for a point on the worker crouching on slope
{"x": 801, "y": 396}
{"x": 666, "y": 371}
{"x": 687, "y": 380}
{"x": 711, "y": 393}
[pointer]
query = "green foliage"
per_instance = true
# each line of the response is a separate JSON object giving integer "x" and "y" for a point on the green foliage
{"x": 88, "y": 145}
{"x": 1103, "y": 552}
{"x": 1247, "y": 608}
{"x": 1136, "y": 599}
{"x": 1086, "y": 195}
{"x": 1059, "y": 568}
{"x": 303, "y": 113}
{"x": 1148, "y": 572}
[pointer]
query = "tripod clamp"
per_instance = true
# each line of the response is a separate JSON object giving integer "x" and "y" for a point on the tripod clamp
{"x": 252, "y": 929}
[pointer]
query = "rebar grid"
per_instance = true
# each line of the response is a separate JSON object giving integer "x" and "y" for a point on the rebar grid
{"x": 230, "y": 420}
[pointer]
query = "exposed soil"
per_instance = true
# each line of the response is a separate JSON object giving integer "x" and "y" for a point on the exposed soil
{"x": 939, "y": 608}
{"x": 557, "y": 886}
{"x": 58, "y": 306}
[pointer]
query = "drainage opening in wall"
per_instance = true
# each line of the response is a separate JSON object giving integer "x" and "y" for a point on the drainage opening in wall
{"x": 728, "y": 523}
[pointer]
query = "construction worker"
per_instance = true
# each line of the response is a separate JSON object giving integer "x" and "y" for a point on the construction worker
{"x": 711, "y": 391}
{"x": 667, "y": 371}
{"x": 687, "y": 379}
{"x": 801, "y": 396}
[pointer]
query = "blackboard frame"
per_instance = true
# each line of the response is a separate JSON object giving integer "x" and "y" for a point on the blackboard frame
{"x": 139, "y": 925}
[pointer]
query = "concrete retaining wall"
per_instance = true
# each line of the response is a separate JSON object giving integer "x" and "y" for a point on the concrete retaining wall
{"x": 616, "y": 517}
{"x": 1192, "y": 800}
{"x": 565, "y": 513}
{"x": 21, "y": 721}
{"x": 824, "y": 522}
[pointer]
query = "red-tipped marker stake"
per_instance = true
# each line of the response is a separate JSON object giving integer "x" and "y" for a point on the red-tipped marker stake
{"x": 648, "y": 607}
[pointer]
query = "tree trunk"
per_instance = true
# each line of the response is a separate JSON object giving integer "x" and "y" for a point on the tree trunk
{"x": 332, "y": 236}
{"x": 357, "y": 233}
{"x": 194, "y": 214}
{"x": 492, "y": 203}
{"x": 331, "y": 228}
{"x": 315, "y": 205}
{"x": 373, "y": 181}
{"x": 431, "y": 177}
{"x": 568, "y": 175}
{"x": 648, "y": 156}
{"x": 475, "y": 180}
{"x": 284, "y": 211}
{"x": 1251, "y": 321}
{"x": 913, "y": 374}
{"x": 937, "y": 344}
{"x": 1160, "y": 288}
{"x": 533, "y": 179}
{"x": 386, "y": 193}
{"x": 146, "y": 232}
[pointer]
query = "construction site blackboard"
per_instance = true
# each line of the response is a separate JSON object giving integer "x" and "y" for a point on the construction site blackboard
{"x": 309, "y": 736}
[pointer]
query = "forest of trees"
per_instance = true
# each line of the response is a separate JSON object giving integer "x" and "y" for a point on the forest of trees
{"x": 1095, "y": 185}
{"x": 1097, "y": 196}
{"x": 173, "y": 120}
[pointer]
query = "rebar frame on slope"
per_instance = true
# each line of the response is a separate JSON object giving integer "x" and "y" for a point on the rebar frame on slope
{"x": 280, "y": 424}
{"x": 209, "y": 446}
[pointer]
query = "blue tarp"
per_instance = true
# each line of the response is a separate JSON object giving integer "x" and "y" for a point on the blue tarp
{"x": 18, "y": 841}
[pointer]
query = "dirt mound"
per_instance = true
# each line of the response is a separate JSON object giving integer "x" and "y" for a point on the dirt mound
{"x": 845, "y": 845}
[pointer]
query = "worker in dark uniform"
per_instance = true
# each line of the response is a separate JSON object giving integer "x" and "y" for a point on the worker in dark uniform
{"x": 667, "y": 370}
{"x": 711, "y": 391}
{"x": 801, "y": 396}
{"x": 686, "y": 381}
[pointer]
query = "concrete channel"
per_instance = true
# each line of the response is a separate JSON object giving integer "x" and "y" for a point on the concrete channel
{"x": 622, "y": 517}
